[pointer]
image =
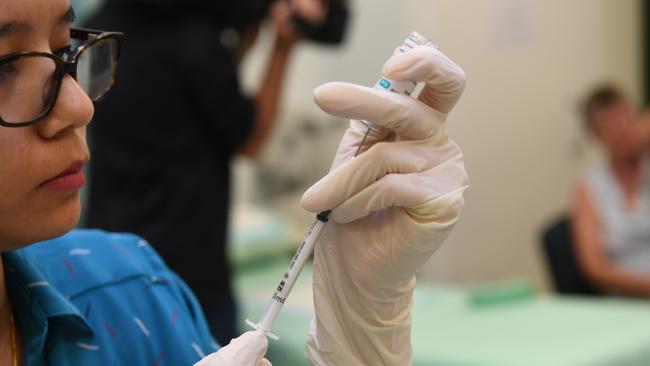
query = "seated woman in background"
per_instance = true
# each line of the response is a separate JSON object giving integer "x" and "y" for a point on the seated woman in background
{"x": 611, "y": 209}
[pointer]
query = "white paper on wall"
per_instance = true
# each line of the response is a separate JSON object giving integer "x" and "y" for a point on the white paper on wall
{"x": 513, "y": 22}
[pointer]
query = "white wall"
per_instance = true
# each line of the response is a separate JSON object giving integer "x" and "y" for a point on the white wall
{"x": 528, "y": 62}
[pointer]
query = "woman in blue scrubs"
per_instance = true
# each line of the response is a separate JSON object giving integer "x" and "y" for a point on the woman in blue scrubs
{"x": 87, "y": 298}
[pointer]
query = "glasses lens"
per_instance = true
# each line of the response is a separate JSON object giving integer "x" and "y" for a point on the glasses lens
{"x": 27, "y": 88}
{"x": 96, "y": 67}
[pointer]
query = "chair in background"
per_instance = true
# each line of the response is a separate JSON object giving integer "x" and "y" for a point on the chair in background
{"x": 560, "y": 255}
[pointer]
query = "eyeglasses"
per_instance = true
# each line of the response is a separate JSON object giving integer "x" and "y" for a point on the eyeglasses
{"x": 30, "y": 81}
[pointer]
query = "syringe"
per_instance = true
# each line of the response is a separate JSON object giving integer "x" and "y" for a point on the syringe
{"x": 306, "y": 248}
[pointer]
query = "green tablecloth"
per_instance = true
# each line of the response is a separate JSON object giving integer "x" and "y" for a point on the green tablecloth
{"x": 450, "y": 330}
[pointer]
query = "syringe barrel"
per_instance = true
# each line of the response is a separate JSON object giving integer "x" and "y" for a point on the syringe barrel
{"x": 271, "y": 315}
{"x": 400, "y": 86}
{"x": 290, "y": 277}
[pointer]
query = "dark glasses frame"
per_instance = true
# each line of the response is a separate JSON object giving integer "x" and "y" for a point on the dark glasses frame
{"x": 69, "y": 66}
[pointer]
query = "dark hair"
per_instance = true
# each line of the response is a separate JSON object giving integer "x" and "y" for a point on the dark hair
{"x": 238, "y": 14}
{"x": 602, "y": 97}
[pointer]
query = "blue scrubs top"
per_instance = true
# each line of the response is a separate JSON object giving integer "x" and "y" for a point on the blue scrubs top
{"x": 94, "y": 298}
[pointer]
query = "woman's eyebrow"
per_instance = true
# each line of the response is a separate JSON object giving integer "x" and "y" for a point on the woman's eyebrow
{"x": 12, "y": 27}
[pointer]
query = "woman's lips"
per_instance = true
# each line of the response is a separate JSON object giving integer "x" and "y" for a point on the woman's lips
{"x": 71, "y": 179}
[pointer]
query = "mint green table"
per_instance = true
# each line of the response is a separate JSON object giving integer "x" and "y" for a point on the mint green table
{"x": 451, "y": 330}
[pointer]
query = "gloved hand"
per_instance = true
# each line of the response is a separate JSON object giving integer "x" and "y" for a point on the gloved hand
{"x": 393, "y": 206}
{"x": 247, "y": 350}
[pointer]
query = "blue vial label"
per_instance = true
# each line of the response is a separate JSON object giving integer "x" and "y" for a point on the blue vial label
{"x": 384, "y": 84}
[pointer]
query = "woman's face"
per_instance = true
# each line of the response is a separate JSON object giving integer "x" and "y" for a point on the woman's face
{"x": 615, "y": 128}
{"x": 40, "y": 164}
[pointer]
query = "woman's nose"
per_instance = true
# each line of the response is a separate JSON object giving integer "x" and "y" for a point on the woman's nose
{"x": 73, "y": 109}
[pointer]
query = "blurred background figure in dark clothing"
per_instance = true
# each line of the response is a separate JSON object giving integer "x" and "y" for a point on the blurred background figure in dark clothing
{"x": 162, "y": 143}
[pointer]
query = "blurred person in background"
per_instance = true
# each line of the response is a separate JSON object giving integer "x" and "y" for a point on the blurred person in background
{"x": 611, "y": 208}
{"x": 162, "y": 143}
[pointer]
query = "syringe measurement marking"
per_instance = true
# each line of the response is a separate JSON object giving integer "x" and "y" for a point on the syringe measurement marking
{"x": 276, "y": 295}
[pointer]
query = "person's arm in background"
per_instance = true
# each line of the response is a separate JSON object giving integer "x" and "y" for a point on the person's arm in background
{"x": 267, "y": 100}
{"x": 268, "y": 97}
{"x": 590, "y": 250}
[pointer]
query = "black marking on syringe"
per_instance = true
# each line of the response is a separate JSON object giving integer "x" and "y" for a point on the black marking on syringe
{"x": 406, "y": 92}
{"x": 324, "y": 217}
{"x": 279, "y": 299}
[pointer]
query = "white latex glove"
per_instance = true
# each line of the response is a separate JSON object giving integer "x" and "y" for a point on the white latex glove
{"x": 393, "y": 206}
{"x": 247, "y": 350}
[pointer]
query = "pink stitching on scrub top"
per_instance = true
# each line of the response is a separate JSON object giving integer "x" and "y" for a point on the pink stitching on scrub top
{"x": 68, "y": 265}
{"x": 110, "y": 329}
{"x": 158, "y": 360}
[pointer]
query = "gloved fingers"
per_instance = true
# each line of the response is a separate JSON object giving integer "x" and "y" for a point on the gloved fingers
{"x": 444, "y": 79}
{"x": 352, "y": 138}
{"x": 409, "y": 191}
{"x": 407, "y": 117}
{"x": 264, "y": 362}
{"x": 254, "y": 341}
{"x": 381, "y": 160}
{"x": 246, "y": 350}
{"x": 427, "y": 226}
